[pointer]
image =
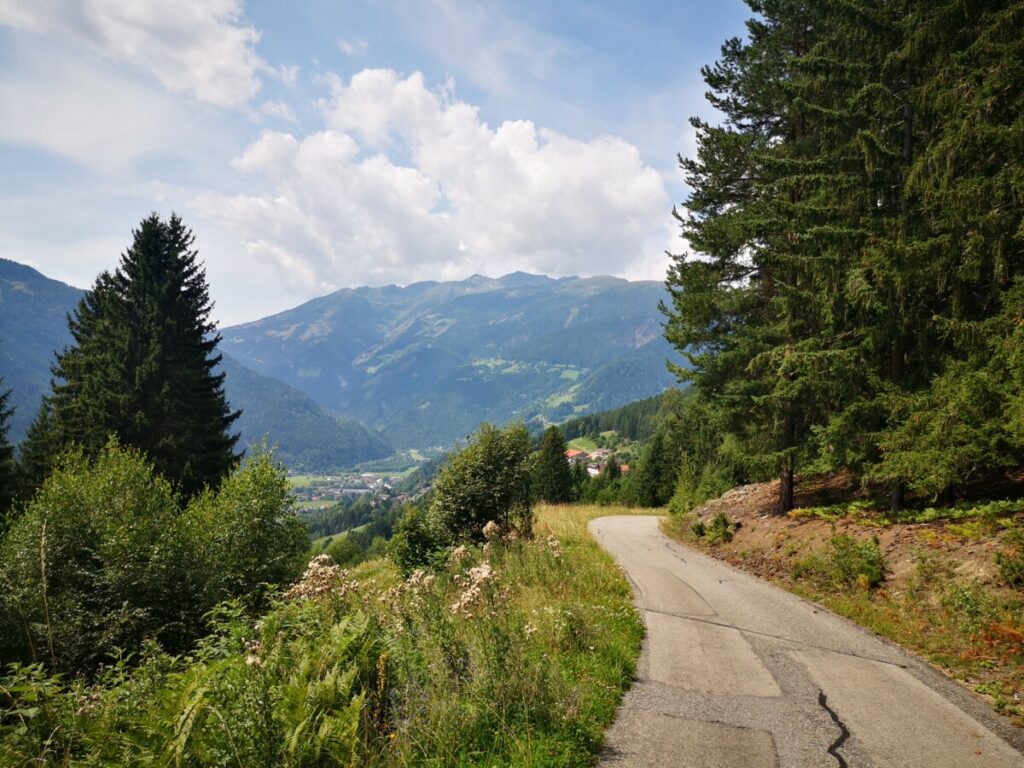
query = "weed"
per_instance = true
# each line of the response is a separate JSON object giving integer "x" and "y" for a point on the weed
{"x": 969, "y": 605}
{"x": 1010, "y": 558}
{"x": 846, "y": 562}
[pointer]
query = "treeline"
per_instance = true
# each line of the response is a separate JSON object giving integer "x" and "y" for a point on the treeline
{"x": 680, "y": 463}
{"x": 359, "y": 527}
{"x": 855, "y": 294}
{"x": 635, "y": 421}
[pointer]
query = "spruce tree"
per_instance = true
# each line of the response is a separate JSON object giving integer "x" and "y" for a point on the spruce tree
{"x": 8, "y": 468}
{"x": 749, "y": 311}
{"x": 142, "y": 363}
{"x": 552, "y": 476}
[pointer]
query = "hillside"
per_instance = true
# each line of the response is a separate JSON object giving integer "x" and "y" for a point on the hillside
{"x": 33, "y": 325}
{"x": 309, "y": 438}
{"x": 426, "y": 363}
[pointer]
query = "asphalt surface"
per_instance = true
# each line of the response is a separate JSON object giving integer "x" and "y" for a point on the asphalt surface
{"x": 736, "y": 672}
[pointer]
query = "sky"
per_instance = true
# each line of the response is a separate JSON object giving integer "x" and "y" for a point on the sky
{"x": 313, "y": 145}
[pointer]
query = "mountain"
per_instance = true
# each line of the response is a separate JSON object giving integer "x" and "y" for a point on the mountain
{"x": 309, "y": 438}
{"x": 425, "y": 364}
{"x": 33, "y": 325}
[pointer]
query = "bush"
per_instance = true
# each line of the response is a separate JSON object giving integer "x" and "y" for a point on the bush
{"x": 413, "y": 543}
{"x": 89, "y": 565}
{"x": 488, "y": 480}
{"x": 719, "y": 531}
{"x": 104, "y": 558}
{"x": 1010, "y": 558}
{"x": 246, "y": 536}
{"x": 846, "y": 562}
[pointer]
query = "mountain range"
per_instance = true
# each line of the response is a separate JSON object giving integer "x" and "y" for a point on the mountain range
{"x": 33, "y": 326}
{"x": 426, "y": 363}
{"x": 351, "y": 376}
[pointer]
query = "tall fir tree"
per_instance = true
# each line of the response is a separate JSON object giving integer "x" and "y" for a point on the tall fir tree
{"x": 8, "y": 467}
{"x": 552, "y": 475}
{"x": 858, "y": 219}
{"x": 749, "y": 313}
{"x": 143, "y": 360}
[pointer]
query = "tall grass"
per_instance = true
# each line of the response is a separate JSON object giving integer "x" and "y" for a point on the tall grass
{"x": 510, "y": 654}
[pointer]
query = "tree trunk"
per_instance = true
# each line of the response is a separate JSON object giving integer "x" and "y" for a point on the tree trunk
{"x": 786, "y": 487}
{"x": 786, "y": 473}
{"x": 897, "y": 494}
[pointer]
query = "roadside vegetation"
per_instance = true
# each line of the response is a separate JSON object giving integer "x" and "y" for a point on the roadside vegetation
{"x": 509, "y": 652}
{"x": 161, "y": 603}
{"x": 944, "y": 583}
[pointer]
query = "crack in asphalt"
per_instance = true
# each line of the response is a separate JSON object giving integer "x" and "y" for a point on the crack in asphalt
{"x": 844, "y": 732}
{"x": 769, "y": 635}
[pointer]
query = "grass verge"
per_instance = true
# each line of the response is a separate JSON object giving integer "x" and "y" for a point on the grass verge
{"x": 514, "y": 654}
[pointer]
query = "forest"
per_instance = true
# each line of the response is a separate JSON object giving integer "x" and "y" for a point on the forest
{"x": 854, "y": 295}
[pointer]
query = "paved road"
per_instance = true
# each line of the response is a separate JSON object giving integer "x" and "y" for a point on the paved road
{"x": 737, "y": 673}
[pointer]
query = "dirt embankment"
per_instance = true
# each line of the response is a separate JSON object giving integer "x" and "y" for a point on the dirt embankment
{"x": 768, "y": 543}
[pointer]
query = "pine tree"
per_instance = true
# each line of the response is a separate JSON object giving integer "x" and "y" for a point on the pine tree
{"x": 749, "y": 314}
{"x": 142, "y": 363}
{"x": 8, "y": 468}
{"x": 37, "y": 452}
{"x": 552, "y": 476}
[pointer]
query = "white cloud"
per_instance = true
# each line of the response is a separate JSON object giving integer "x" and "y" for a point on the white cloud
{"x": 199, "y": 47}
{"x": 278, "y": 109}
{"x": 84, "y": 111}
{"x": 355, "y": 47}
{"x": 404, "y": 183}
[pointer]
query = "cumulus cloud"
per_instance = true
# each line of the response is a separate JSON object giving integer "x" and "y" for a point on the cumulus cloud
{"x": 199, "y": 47}
{"x": 405, "y": 183}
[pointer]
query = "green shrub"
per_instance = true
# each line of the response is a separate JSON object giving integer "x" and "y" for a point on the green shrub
{"x": 719, "y": 531}
{"x": 487, "y": 480}
{"x": 1010, "y": 558}
{"x": 413, "y": 542}
{"x": 103, "y": 558}
{"x": 846, "y": 562}
{"x": 970, "y": 605}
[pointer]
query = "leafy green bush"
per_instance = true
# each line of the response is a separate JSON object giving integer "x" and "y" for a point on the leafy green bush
{"x": 103, "y": 558}
{"x": 846, "y": 562}
{"x": 487, "y": 480}
{"x": 89, "y": 567}
{"x": 719, "y": 531}
{"x": 1010, "y": 558}
{"x": 413, "y": 543}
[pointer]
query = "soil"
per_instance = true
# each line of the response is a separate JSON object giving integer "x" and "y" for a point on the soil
{"x": 768, "y": 543}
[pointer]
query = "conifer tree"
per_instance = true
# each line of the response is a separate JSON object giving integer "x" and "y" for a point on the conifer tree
{"x": 8, "y": 468}
{"x": 552, "y": 476}
{"x": 749, "y": 314}
{"x": 142, "y": 363}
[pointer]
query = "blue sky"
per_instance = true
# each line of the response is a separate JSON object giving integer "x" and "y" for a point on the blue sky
{"x": 316, "y": 145}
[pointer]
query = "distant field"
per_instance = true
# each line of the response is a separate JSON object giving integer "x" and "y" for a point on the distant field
{"x": 583, "y": 444}
{"x": 311, "y": 505}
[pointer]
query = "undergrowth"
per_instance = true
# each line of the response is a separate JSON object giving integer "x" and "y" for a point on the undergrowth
{"x": 508, "y": 654}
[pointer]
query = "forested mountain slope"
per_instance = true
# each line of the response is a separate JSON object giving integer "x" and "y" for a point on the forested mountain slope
{"x": 426, "y": 363}
{"x": 33, "y": 325}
